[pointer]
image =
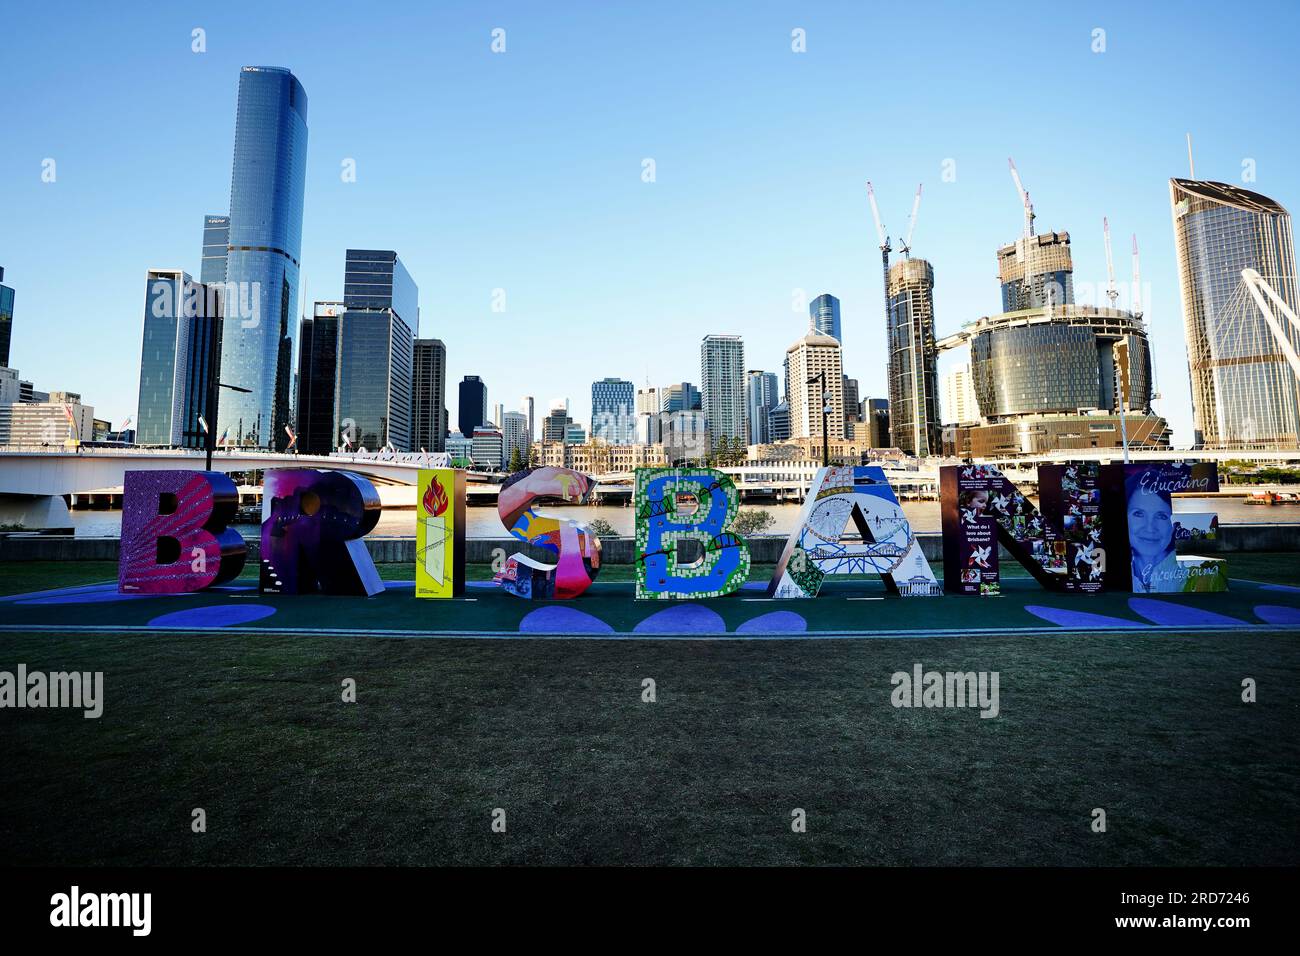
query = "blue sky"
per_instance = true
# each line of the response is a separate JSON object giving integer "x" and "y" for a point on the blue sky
{"x": 522, "y": 171}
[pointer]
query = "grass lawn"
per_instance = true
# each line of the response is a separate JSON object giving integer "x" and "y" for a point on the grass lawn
{"x": 252, "y": 729}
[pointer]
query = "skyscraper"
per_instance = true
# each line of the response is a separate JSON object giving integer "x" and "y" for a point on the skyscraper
{"x": 1036, "y": 271}
{"x": 680, "y": 397}
{"x": 377, "y": 349}
{"x": 6, "y": 319}
{"x": 472, "y": 411}
{"x": 513, "y": 431}
{"x": 176, "y": 359}
{"x": 613, "y": 414}
{"x": 216, "y": 237}
{"x": 429, "y": 395}
{"x": 722, "y": 386}
{"x": 825, "y": 314}
{"x": 1244, "y": 393}
{"x": 527, "y": 406}
{"x": 959, "y": 404}
{"x": 555, "y": 423}
{"x": 815, "y": 368}
{"x": 760, "y": 399}
{"x": 913, "y": 388}
{"x": 318, "y": 368}
{"x": 261, "y": 303}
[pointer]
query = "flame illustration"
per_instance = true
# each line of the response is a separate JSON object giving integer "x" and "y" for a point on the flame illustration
{"x": 435, "y": 499}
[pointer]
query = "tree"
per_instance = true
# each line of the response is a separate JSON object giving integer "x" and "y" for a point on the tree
{"x": 752, "y": 521}
{"x": 516, "y": 460}
{"x": 601, "y": 528}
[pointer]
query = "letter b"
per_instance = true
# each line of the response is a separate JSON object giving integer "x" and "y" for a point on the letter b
{"x": 174, "y": 534}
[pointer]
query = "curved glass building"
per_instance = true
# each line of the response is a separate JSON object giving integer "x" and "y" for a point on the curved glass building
{"x": 1038, "y": 361}
{"x": 266, "y": 197}
{"x": 1243, "y": 392}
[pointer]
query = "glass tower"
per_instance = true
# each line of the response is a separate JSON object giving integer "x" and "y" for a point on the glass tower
{"x": 265, "y": 239}
{"x": 216, "y": 236}
{"x": 318, "y": 367}
{"x": 1243, "y": 391}
{"x": 6, "y": 319}
{"x": 377, "y": 350}
{"x": 825, "y": 314}
{"x": 176, "y": 359}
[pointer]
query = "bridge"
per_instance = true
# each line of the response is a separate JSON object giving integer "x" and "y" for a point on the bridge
{"x": 36, "y": 482}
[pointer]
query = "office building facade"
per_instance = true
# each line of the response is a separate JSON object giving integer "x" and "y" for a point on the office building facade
{"x": 373, "y": 401}
{"x": 488, "y": 448}
{"x": 318, "y": 369}
{"x": 722, "y": 387}
{"x": 959, "y": 406}
{"x": 1244, "y": 393}
{"x": 429, "y": 395}
{"x": 6, "y": 320}
{"x": 760, "y": 398}
{"x": 679, "y": 397}
{"x": 514, "y": 434}
{"x": 262, "y": 256}
{"x": 613, "y": 411}
{"x": 177, "y": 359}
{"x": 472, "y": 409}
{"x": 815, "y": 372}
{"x": 216, "y": 239}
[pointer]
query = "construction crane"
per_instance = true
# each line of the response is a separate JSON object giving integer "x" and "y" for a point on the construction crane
{"x": 1137, "y": 280}
{"x": 911, "y": 225}
{"x": 884, "y": 251}
{"x": 1024, "y": 199}
{"x": 1111, "y": 292}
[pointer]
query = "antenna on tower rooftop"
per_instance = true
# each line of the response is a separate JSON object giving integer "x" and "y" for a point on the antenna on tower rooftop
{"x": 1191, "y": 165}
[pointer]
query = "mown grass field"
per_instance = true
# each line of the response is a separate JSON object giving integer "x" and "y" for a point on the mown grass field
{"x": 1151, "y": 728}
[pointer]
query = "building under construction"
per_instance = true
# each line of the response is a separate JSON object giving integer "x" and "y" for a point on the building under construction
{"x": 913, "y": 377}
{"x": 1049, "y": 374}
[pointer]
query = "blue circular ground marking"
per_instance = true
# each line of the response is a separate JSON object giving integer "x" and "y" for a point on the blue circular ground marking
{"x": 1065, "y": 617}
{"x": 683, "y": 619}
{"x": 214, "y": 615}
{"x": 1276, "y": 614}
{"x": 775, "y": 622}
{"x": 1179, "y": 615}
{"x": 558, "y": 619}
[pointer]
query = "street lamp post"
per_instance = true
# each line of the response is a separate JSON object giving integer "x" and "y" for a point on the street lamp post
{"x": 210, "y": 404}
{"x": 820, "y": 378}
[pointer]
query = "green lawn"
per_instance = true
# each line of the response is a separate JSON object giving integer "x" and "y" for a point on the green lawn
{"x": 251, "y": 728}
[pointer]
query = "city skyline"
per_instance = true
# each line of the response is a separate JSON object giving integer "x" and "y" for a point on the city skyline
{"x": 653, "y": 272}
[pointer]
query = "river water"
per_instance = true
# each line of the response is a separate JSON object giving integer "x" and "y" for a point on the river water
{"x": 484, "y": 523}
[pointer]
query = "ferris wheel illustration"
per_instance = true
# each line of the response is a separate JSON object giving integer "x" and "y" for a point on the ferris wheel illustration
{"x": 888, "y": 526}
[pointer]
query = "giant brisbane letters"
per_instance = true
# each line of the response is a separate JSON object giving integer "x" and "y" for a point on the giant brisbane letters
{"x": 885, "y": 546}
{"x": 577, "y": 550}
{"x": 1139, "y": 498}
{"x": 1108, "y": 527}
{"x": 440, "y": 533}
{"x": 174, "y": 534}
{"x": 312, "y": 526}
{"x": 677, "y": 504}
{"x": 1063, "y": 545}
